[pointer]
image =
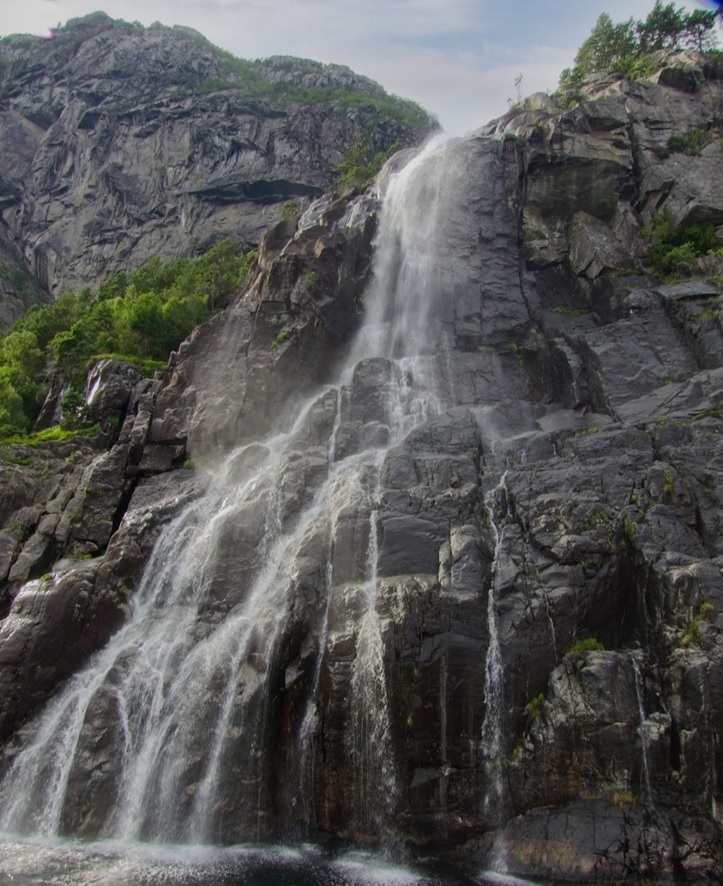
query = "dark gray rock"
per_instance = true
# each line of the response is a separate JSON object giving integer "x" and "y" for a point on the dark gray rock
{"x": 565, "y": 500}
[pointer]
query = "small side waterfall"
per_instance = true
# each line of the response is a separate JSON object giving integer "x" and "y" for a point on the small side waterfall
{"x": 551, "y": 626}
{"x": 642, "y": 731}
{"x": 167, "y": 734}
{"x": 369, "y": 737}
{"x": 493, "y": 727}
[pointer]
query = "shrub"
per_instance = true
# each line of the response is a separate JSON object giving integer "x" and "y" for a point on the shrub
{"x": 705, "y": 611}
{"x": 587, "y": 644}
{"x": 675, "y": 251}
{"x": 360, "y": 163}
{"x": 691, "y": 142}
{"x": 535, "y": 706}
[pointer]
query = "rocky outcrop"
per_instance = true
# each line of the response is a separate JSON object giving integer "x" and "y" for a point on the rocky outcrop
{"x": 124, "y": 142}
{"x": 544, "y": 540}
{"x": 624, "y": 153}
{"x": 63, "y": 502}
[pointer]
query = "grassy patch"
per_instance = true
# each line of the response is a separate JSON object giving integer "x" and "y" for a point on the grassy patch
{"x": 49, "y": 435}
{"x": 535, "y": 706}
{"x": 704, "y": 613}
{"x": 587, "y": 644}
{"x": 20, "y": 460}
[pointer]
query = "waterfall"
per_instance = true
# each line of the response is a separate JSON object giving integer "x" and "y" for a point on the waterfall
{"x": 493, "y": 727}
{"x": 369, "y": 737}
{"x": 642, "y": 731}
{"x": 551, "y": 627}
{"x": 165, "y": 735}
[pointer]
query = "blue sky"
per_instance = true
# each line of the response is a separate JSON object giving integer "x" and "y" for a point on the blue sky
{"x": 458, "y": 58}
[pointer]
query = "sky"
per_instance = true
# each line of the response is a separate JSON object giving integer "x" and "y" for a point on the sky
{"x": 457, "y": 58}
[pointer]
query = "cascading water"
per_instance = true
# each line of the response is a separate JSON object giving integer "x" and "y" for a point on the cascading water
{"x": 551, "y": 626}
{"x": 643, "y": 732}
{"x": 493, "y": 727}
{"x": 165, "y": 735}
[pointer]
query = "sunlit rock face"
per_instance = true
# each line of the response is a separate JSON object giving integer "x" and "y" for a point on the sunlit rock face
{"x": 120, "y": 142}
{"x": 419, "y": 542}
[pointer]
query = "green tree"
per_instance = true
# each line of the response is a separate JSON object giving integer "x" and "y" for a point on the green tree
{"x": 629, "y": 48}
{"x": 113, "y": 287}
{"x": 360, "y": 163}
{"x": 146, "y": 317}
{"x": 12, "y": 415}
{"x": 608, "y": 46}
{"x": 22, "y": 362}
{"x": 699, "y": 30}
{"x": 663, "y": 27}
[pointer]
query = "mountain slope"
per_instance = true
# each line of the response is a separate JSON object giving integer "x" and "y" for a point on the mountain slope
{"x": 121, "y": 142}
{"x": 493, "y": 618}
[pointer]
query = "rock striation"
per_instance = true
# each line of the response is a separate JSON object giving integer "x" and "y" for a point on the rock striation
{"x": 545, "y": 542}
{"x": 120, "y": 143}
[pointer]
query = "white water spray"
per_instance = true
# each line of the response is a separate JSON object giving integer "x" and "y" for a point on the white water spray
{"x": 188, "y": 693}
{"x": 492, "y": 745}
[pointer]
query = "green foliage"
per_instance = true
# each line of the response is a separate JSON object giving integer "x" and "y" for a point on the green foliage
{"x": 674, "y": 251}
{"x": 609, "y": 46}
{"x": 535, "y": 707}
{"x": 629, "y": 47}
{"x": 140, "y": 318}
{"x": 360, "y": 163}
{"x": 74, "y": 411}
{"x": 283, "y": 336}
{"x": 588, "y": 644}
{"x": 570, "y": 312}
{"x": 699, "y": 31}
{"x": 50, "y": 434}
{"x": 24, "y": 461}
{"x": 291, "y": 208}
{"x": 147, "y": 365}
{"x": 663, "y": 27}
{"x": 279, "y": 79}
{"x": 629, "y": 528}
{"x": 705, "y": 611}
{"x": 691, "y": 142}
{"x": 668, "y": 481}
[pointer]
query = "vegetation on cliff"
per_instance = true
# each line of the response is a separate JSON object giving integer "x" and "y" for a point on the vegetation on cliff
{"x": 632, "y": 48}
{"x": 139, "y": 318}
{"x": 361, "y": 163}
{"x": 674, "y": 251}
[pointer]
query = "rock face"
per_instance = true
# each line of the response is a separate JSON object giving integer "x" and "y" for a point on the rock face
{"x": 120, "y": 143}
{"x": 448, "y": 565}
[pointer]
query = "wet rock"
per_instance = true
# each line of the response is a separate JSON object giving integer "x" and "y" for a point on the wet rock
{"x": 54, "y": 624}
{"x": 109, "y": 386}
{"x": 556, "y": 492}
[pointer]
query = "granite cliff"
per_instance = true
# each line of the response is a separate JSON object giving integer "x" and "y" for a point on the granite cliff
{"x": 119, "y": 142}
{"x": 497, "y": 556}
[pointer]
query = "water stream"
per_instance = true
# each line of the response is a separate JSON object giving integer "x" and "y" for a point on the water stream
{"x": 164, "y": 736}
{"x": 643, "y": 732}
{"x": 493, "y": 745}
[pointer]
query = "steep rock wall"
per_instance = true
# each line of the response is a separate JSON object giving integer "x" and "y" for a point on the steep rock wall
{"x": 124, "y": 142}
{"x": 569, "y": 489}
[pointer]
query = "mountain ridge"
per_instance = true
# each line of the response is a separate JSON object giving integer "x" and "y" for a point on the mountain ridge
{"x": 122, "y": 142}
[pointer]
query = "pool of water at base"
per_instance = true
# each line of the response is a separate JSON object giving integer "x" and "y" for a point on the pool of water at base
{"x": 74, "y": 863}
